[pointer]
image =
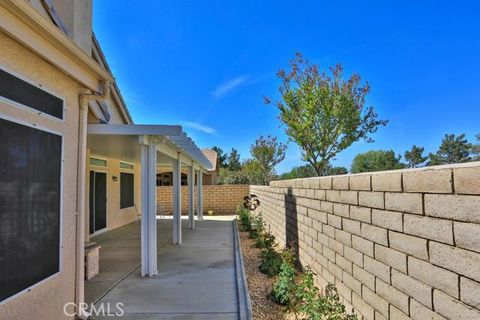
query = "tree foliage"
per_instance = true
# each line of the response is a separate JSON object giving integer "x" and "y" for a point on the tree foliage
{"x": 233, "y": 161}
{"x": 415, "y": 157}
{"x": 267, "y": 152}
{"x": 476, "y": 148}
{"x": 304, "y": 171}
{"x": 376, "y": 160}
{"x": 453, "y": 149}
{"x": 324, "y": 114}
{"x": 222, "y": 156}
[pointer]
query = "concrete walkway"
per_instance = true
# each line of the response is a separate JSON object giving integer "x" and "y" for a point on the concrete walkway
{"x": 197, "y": 280}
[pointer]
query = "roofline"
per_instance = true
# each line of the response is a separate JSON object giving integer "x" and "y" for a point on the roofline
{"x": 20, "y": 20}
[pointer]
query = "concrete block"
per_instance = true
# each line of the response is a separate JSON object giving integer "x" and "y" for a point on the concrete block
{"x": 361, "y": 214}
{"x": 430, "y": 181}
{"x": 377, "y": 268}
{"x": 391, "y": 257}
{"x": 467, "y": 235}
{"x": 375, "y": 234}
{"x": 404, "y": 202}
{"x": 452, "y": 308}
{"x": 434, "y": 276}
{"x": 470, "y": 292}
{"x": 463, "y": 262}
{"x": 429, "y": 228}
{"x": 393, "y": 295}
{"x": 387, "y": 219}
{"x": 467, "y": 180}
{"x": 414, "y": 288}
{"x": 411, "y": 245}
{"x": 365, "y": 277}
{"x": 387, "y": 182}
{"x": 456, "y": 207}
{"x": 363, "y": 245}
{"x": 360, "y": 182}
{"x": 371, "y": 199}
{"x": 376, "y": 301}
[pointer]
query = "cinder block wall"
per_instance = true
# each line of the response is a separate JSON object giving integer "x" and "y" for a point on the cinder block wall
{"x": 222, "y": 199}
{"x": 397, "y": 244}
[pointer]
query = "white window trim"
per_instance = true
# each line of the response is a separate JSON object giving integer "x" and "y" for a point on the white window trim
{"x": 38, "y": 85}
{"x": 60, "y": 247}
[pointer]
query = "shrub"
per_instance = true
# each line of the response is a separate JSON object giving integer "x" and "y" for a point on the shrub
{"x": 285, "y": 285}
{"x": 271, "y": 262}
{"x": 245, "y": 218}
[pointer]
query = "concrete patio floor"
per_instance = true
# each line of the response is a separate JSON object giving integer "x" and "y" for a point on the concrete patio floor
{"x": 196, "y": 280}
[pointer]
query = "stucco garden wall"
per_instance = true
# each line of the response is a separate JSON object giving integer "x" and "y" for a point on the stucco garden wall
{"x": 397, "y": 245}
{"x": 222, "y": 199}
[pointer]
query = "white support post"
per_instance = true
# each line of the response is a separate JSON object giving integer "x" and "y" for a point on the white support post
{"x": 191, "y": 202}
{"x": 149, "y": 209}
{"x": 177, "y": 200}
{"x": 200, "y": 195}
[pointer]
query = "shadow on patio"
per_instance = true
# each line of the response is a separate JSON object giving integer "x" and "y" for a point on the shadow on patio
{"x": 196, "y": 280}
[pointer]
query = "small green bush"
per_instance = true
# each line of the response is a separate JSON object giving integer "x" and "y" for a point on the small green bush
{"x": 285, "y": 285}
{"x": 271, "y": 262}
{"x": 245, "y": 218}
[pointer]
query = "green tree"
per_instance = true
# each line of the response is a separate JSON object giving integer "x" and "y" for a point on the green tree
{"x": 333, "y": 171}
{"x": 415, "y": 157}
{"x": 376, "y": 160}
{"x": 222, "y": 156}
{"x": 268, "y": 152}
{"x": 304, "y": 171}
{"x": 476, "y": 148}
{"x": 253, "y": 171}
{"x": 233, "y": 162}
{"x": 324, "y": 114}
{"x": 227, "y": 176}
{"x": 453, "y": 149}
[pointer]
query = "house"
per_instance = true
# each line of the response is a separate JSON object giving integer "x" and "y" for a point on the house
{"x": 210, "y": 176}
{"x": 73, "y": 163}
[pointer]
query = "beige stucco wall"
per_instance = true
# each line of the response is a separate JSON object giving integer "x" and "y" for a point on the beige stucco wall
{"x": 59, "y": 290}
{"x": 116, "y": 217}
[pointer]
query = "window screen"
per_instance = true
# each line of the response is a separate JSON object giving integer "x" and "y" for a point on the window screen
{"x": 30, "y": 182}
{"x": 20, "y": 91}
{"x": 126, "y": 190}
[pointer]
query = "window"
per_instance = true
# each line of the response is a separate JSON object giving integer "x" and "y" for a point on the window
{"x": 98, "y": 162}
{"x": 126, "y": 165}
{"x": 126, "y": 190}
{"x": 30, "y": 206}
{"x": 20, "y": 91}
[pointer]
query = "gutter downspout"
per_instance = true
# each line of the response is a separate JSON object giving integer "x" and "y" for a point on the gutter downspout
{"x": 81, "y": 181}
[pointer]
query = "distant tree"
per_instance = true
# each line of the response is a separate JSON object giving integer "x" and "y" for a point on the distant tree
{"x": 304, "y": 171}
{"x": 476, "y": 148}
{"x": 453, "y": 149}
{"x": 324, "y": 114}
{"x": 233, "y": 161}
{"x": 227, "y": 176}
{"x": 253, "y": 171}
{"x": 376, "y": 160}
{"x": 415, "y": 157}
{"x": 268, "y": 152}
{"x": 334, "y": 171}
{"x": 222, "y": 156}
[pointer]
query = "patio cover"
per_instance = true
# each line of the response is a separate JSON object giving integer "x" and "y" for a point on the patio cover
{"x": 152, "y": 145}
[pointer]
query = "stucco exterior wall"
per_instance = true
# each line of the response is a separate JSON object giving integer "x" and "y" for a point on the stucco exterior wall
{"x": 59, "y": 290}
{"x": 397, "y": 245}
{"x": 222, "y": 199}
{"x": 116, "y": 217}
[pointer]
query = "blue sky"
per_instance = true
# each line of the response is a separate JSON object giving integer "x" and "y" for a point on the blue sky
{"x": 207, "y": 64}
